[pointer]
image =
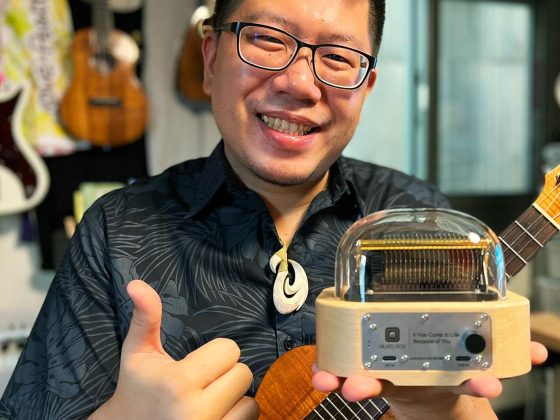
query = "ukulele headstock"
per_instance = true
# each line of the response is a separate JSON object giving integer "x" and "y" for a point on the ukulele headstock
{"x": 548, "y": 200}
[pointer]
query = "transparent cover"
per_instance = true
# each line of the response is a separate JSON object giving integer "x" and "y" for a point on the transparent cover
{"x": 419, "y": 254}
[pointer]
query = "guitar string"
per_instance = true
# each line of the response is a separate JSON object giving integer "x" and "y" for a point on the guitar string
{"x": 322, "y": 405}
{"x": 362, "y": 408}
{"x": 530, "y": 241}
{"x": 515, "y": 261}
{"x": 317, "y": 413}
{"x": 529, "y": 227}
{"x": 327, "y": 411}
{"x": 381, "y": 410}
{"x": 532, "y": 222}
{"x": 547, "y": 196}
{"x": 336, "y": 408}
{"x": 345, "y": 404}
{"x": 357, "y": 416}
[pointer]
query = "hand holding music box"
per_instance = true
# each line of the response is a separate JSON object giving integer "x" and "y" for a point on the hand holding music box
{"x": 420, "y": 298}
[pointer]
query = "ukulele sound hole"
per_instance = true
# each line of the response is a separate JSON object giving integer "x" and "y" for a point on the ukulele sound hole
{"x": 104, "y": 62}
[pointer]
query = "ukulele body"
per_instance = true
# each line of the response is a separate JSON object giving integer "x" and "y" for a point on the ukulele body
{"x": 105, "y": 103}
{"x": 286, "y": 393}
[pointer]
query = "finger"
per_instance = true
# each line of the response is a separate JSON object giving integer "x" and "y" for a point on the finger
{"x": 357, "y": 388}
{"x": 354, "y": 388}
{"x": 325, "y": 381}
{"x": 539, "y": 353}
{"x": 210, "y": 361}
{"x": 226, "y": 391}
{"x": 246, "y": 409}
{"x": 144, "y": 332}
{"x": 481, "y": 386}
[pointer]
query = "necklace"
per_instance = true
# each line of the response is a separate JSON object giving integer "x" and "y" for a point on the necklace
{"x": 290, "y": 287}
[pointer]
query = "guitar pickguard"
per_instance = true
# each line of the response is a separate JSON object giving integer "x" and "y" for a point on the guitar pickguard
{"x": 24, "y": 178}
{"x": 10, "y": 156}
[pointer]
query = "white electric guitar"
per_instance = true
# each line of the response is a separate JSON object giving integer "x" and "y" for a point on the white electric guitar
{"x": 24, "y": 178}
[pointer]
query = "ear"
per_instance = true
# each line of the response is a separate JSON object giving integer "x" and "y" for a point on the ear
{"x": 209, "y": 51}
{"x": 370, "y": 82}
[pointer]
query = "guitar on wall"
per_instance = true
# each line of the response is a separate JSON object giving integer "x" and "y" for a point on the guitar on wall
{"x": 105, "y": 103}
{"x": 190, "y": 69}
{"x": 24, "y": 178}
{"x": 286, "y": 391}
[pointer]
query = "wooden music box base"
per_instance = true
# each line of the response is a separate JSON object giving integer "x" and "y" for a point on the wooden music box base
{"x": 395, "y": 340}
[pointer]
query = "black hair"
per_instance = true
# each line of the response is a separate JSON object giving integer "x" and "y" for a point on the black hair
{"x": 225, "y": 8}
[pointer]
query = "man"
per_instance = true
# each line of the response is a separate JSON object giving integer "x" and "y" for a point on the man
{"x": 206, "y": 235}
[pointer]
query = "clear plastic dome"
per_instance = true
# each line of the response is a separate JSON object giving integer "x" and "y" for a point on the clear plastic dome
{"x": 419, "y": 254}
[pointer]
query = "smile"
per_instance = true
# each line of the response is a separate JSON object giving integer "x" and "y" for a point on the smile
{"x": 285, "y": 126}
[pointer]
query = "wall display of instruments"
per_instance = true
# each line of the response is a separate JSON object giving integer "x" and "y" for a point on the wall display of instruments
{"x": 420, "y": 295}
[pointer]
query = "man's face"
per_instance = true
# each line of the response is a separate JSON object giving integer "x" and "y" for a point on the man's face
{"x": 265, "y": 116}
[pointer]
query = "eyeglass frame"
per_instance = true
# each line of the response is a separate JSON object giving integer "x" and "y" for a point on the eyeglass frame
{"x": 237, "y": 27}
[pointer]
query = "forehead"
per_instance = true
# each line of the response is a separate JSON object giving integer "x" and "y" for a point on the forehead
{"x": 341, "y": 21}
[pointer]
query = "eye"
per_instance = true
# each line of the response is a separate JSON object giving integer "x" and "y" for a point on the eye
{"x": 266, "y": 39}
{"x": 337, "y": 57}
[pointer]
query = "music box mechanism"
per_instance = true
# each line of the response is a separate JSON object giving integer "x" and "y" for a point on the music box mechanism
{"x": 420, "y": 298}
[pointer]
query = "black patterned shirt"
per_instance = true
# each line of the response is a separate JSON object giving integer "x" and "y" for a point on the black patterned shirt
{"x": 203, "y": 242}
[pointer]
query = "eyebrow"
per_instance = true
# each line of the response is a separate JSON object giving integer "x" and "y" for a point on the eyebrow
{"x": 290, "y": 27}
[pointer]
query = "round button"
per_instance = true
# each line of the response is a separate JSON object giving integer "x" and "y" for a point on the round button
{"x": 289, "y": 343}
{"x": 475, "y": 343}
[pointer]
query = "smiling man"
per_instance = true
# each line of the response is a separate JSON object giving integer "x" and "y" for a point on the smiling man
{"x": 233, "y": 249}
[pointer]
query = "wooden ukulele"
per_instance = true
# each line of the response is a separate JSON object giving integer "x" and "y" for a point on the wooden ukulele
{"x": 286, "y": 391}
{"x": 190, "y": 69}
{"x": 105, "y": 103}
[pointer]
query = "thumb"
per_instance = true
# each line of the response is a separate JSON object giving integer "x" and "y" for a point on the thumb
{"x": 144, "y": 332}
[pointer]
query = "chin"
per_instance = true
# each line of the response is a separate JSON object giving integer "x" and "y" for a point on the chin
{"x": 282, "y": 179}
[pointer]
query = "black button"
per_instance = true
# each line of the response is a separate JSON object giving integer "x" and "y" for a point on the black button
{"x": 475, "y": 343}
{"x": 289, "y": 343}
{"x": 392, "y": 334}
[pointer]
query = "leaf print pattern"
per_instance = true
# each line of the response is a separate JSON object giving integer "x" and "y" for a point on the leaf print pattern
{"x": 203, "y": 242}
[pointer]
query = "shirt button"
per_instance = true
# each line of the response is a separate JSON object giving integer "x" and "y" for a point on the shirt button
{"x": 289, "y": 343}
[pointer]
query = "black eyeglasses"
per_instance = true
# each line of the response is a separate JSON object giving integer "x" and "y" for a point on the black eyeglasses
{"x": 270, "y": 48}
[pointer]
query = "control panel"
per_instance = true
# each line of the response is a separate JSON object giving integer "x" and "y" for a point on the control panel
{"x": 426, "y": 341}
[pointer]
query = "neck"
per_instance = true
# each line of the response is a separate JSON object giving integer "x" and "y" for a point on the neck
{"x": 288, "y": 204}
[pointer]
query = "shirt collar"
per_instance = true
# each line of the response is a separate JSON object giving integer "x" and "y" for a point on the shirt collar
{"x": 199, "y": 188}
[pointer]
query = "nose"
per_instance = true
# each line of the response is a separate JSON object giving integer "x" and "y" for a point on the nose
{"x": 298, "y": 79}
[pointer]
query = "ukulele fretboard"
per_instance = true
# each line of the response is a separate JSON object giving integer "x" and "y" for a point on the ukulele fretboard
{"x": 336, "y": 407}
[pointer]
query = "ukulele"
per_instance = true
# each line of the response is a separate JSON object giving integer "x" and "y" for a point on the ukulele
{"x": 105, "y": 103}
{"x": 286, "y": 392}
{"x": 190, "y": 69}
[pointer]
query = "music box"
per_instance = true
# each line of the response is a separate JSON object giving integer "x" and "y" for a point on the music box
{"x": 420, "y": 298}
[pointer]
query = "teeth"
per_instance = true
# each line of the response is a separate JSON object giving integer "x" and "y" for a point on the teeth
{"x": 284, "y": 126}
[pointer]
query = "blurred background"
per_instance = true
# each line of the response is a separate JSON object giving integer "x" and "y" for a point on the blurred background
{"x": 467, "y": 97}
